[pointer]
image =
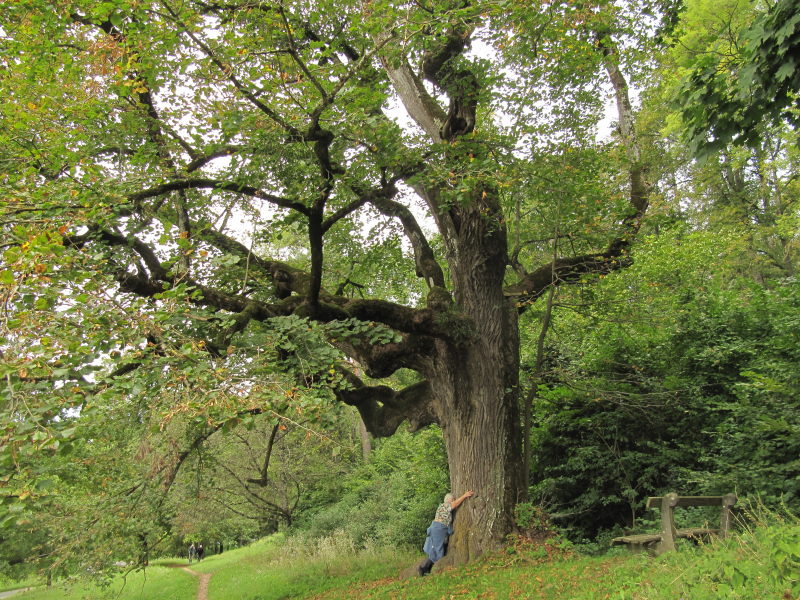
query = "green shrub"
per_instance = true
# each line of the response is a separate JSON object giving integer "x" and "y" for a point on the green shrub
{"x": 763, "y": 561}
{"x": 391, "y": 499}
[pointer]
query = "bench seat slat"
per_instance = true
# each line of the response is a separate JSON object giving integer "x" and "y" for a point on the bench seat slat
{"x": 696, "y": 532}
{"x": 645, "y": 538}
{"x": 637, "y": 539}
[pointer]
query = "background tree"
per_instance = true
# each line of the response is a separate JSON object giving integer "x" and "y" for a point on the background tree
{"x": 652, "y": 371}
{"x": 731, "y": 95}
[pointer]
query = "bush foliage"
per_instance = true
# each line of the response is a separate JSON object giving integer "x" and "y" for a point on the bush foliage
{"x": 689, "y": 384}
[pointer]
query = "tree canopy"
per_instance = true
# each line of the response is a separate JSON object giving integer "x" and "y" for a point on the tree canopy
{"x": 237, "y": 233}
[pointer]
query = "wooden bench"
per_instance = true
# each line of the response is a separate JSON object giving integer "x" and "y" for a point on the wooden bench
{"x": 665, "y": 540}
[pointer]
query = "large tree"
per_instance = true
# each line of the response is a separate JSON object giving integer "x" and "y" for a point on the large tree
{"x": 191, "y": 188}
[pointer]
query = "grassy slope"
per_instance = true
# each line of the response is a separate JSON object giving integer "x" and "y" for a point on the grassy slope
{"x": 761, "y": 564}
{"x": 274, "y": 568}
{"x": 156, "y": 583}
{"x": 578, "y": 578}
{"x": 12, "y": 584}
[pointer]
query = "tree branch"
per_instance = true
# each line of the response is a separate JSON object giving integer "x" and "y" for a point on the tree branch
{"x": 157, "y": 270}
{"x": 296, "y": 56}
{"x": 564, "y": 270}
{"x": 428, "y": 322}
{"x": 200, "y": 161}
{"x": 229, "y": 186}
{"x": 639, "y": 188}
{"x": 383, "y": 409}
{"x": 228, "y": 74}
{"x": 267, "y": 458}
{"x": 461, "y": 85}
{"x": 425, "y": 260}
{"x": 420, "y": 105}
{"x": 382, "y": 360}
{"x": 175, "y": 466}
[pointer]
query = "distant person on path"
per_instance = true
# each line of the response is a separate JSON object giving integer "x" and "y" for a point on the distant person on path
{"x": 200, "y": 552}
{"x": 440, "y": 531}
{"x": 192, "y": 553}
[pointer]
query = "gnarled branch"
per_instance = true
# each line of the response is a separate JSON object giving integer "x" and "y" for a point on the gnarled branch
{"x": 383, "y": 409}
{"x": 425, "y": 261}
{"x": 217, "y": 184}
{"x": 562, "y": 270}
{"x": 460, "y": 84}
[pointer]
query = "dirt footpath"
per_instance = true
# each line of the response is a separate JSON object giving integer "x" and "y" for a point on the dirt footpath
{"x": 202, "y": 589}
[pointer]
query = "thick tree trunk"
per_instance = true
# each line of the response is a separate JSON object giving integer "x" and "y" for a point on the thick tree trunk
{"x": 476, "y": 389}
{"x": 471, "y": 377}
{"x": 366, "y": 440}
{"x": 473, "y": 382}
{"x": 483, "y": 446}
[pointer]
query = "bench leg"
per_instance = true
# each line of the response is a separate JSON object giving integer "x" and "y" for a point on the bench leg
{"x": 642, "y": 547}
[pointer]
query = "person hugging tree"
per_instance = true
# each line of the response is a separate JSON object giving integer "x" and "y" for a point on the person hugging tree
{"x": 439, "y": 532}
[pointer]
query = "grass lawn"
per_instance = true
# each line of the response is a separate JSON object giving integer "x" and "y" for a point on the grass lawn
{"x": 156, "y": 583}
{"x": 543, "y": 573}
{"x": 761, "y": 563}
{"x": 8, "y": 584}
{"x": 273, "y": 568}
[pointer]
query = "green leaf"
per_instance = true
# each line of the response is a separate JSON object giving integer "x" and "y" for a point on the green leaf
{"x": 786, "y": 71}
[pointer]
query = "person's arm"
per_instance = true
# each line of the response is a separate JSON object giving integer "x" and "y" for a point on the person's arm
{"x": 456, "y": 503}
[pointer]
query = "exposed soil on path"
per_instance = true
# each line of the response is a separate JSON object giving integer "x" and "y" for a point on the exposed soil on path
{"x": 203, "y": 579}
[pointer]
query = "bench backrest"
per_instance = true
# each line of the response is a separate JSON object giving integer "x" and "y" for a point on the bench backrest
{"x": 726, "y": 500}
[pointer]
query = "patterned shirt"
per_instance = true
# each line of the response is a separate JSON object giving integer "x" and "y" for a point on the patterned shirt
{"x": 444, "y": 514}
